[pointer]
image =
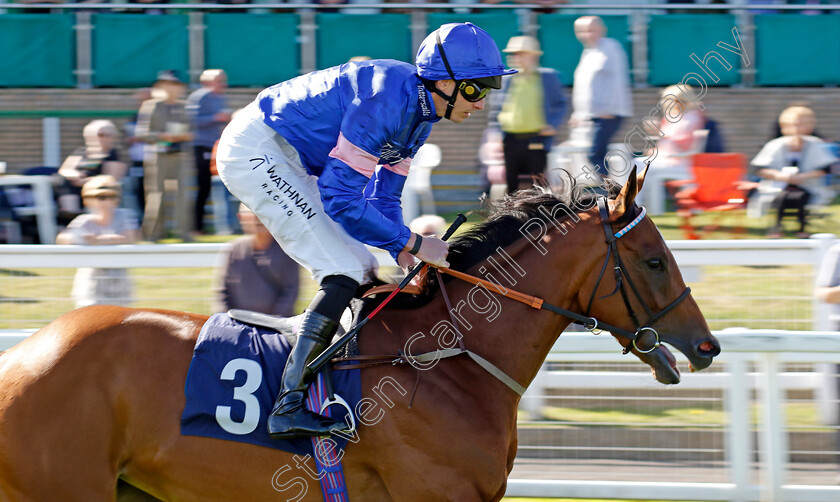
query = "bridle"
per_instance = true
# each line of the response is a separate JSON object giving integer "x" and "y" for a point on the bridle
{"x": 621, "y": 277}
{"x": 589, "y": 322}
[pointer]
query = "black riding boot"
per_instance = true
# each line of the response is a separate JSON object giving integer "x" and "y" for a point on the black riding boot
{"x": 290, "y": 418}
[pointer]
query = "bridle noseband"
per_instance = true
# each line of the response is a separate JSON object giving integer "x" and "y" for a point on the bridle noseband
{"x": 620, "y": 276}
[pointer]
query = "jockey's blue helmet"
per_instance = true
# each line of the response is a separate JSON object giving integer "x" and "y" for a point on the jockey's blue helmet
{"x": 461, "y": 51}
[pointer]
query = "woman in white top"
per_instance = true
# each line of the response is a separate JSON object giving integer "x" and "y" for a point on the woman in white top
{"x": 681, "y": 120}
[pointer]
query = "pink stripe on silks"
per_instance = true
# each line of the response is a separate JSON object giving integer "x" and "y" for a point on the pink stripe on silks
{"x": 401, "y": 168}
{"x": 361, "y": 161}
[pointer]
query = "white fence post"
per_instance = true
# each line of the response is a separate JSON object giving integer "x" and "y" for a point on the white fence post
{"x": 826, "y": 394}
{"x": 739, "y": 434}
{"x": 774, "y": 451}
{"x": 821, "y": 310}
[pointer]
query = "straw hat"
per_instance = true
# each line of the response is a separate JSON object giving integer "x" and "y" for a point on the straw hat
{"x": 523, "y": 44}
{"x": 104, "y": 184}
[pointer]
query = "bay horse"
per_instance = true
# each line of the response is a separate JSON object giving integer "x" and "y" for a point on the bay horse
{"x": 95, "y": 397}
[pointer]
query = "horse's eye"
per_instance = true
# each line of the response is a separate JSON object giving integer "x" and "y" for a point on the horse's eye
{"x": 656, "y": 264}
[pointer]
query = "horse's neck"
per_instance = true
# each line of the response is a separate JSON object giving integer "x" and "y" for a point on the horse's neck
{"x": 511, "y": 334}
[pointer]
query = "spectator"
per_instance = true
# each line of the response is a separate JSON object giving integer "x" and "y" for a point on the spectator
{"x": 491, "y": 160}
{"x": 163, "y": 125}
{"x": 428, "y": 225}
{"x": 97, "y": 156}
{"x": 228, "y": 2}
{"x": 134, "y": 197}
{"x": 678, "y": 128}
{"x": 106, "y": 224}
{"x": 601, "y": 93}
{"x": 209, "y": 113}
{"x": 777, "y": 128}
{"x": 147, "y": 6}
{"x": 254, "y": 273}
{"x": 529, "y": 111}
{"x": 545, "y": 6}
{"x": 795, "y": 165}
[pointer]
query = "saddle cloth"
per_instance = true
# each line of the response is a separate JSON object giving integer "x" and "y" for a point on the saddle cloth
{"x": 233, "y": 382}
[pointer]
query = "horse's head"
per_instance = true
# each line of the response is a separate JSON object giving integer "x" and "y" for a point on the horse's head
{"x": 639, "y": 289}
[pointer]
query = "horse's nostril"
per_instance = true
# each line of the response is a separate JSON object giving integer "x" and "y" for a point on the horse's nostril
{"x": 708, "y": 349}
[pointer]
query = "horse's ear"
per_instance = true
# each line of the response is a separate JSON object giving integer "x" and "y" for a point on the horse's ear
{"x": 640, "y": 178}
{"x": 624, "y": 201}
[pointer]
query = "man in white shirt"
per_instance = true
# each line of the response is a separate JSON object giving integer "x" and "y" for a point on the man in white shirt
{"x": 601, "y": 93}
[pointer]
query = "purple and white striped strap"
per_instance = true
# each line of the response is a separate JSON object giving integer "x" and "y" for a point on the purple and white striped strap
{"x": 327, "y": 461}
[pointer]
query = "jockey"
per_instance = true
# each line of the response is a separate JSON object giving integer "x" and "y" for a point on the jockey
{"x": 303, "y": 157}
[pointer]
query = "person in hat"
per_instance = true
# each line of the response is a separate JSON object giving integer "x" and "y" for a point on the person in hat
{"x": 304, "y": 155}
{"x": 163, "y": 125}
{"x": 528, "y": 111}
{"x": 104, "y": 224}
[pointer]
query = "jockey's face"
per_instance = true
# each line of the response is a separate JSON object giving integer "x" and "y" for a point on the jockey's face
{"x": 462, "y": 109}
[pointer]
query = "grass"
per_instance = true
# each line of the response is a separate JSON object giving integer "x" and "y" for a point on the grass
{"x": 800, "y": 415}
{"x": 753, "y": 228}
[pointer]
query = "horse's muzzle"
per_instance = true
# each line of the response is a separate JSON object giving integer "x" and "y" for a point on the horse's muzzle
{"x": 704, "y": 352}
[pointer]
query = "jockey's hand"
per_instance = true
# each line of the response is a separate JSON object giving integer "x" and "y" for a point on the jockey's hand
{"x": 407, "y": 261}
{"x": 432, "y": 250}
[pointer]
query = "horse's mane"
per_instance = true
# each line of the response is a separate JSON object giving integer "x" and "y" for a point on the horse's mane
{"x": 501, "y": 227}
{"x": 505, "y": 217}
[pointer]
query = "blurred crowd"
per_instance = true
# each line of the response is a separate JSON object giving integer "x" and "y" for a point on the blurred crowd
{"x": 464, "y": 6}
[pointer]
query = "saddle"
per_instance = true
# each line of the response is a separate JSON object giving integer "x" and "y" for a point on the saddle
{"x": 286, "y": 326}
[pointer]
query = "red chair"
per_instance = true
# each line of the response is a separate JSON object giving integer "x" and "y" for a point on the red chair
{"x": 718, "y": 186}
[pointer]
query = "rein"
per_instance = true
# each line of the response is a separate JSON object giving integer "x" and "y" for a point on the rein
{"x": 589, "y": 323}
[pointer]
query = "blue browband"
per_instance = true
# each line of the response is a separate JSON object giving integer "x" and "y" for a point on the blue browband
{"x": 632, "y": 223}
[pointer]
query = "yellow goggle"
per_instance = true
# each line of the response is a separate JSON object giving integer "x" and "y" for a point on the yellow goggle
{"x": 472, "y": 91}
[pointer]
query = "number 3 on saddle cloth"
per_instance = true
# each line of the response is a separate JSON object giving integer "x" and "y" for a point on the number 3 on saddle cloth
{"x": 232, "y": 383}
